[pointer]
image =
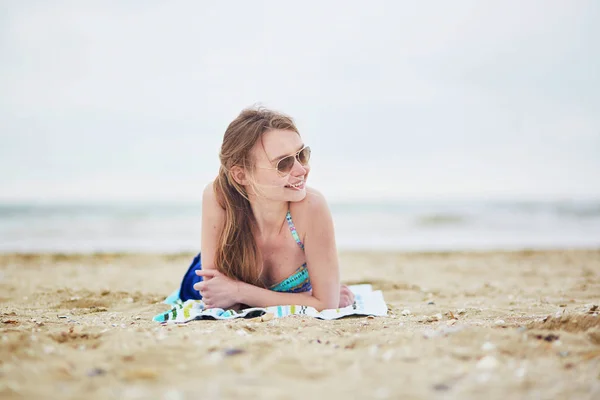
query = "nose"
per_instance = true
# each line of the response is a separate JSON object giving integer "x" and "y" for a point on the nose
{"x": 298, "y": 169}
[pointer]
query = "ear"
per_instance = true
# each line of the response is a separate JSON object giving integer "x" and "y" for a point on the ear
{"x": 239, "y": 175}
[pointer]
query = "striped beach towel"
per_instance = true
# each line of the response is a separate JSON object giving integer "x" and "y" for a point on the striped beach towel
{"x": 366, "y": 302}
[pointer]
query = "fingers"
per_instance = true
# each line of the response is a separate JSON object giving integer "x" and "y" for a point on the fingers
{"x": 210, "y": 273}
{"x": 345, "y": 290}
{"x": 346, "y": 296}
{"x": 345, "y": 301}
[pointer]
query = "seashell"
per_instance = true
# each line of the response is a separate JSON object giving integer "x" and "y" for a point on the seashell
{"x": 267, "y": 317}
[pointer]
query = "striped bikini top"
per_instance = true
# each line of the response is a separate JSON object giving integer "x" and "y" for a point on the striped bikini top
{"x": 299, "y": 281}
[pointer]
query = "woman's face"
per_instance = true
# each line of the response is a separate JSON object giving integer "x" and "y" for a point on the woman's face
{"x": 270, "y": 183}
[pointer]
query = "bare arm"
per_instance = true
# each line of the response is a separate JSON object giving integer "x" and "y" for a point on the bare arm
{"x": 221, "y": 291}
{"x": 213, "y": 219}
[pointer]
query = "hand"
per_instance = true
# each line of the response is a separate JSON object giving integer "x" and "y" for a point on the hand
{"x": 346, "y": 296}
{"x": 217, "y": 290}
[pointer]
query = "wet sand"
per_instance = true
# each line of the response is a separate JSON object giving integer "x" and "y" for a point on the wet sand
{"x": 461, "y": 325}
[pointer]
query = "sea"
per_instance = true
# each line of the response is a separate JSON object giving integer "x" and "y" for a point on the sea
{"x": 175, "y": 227}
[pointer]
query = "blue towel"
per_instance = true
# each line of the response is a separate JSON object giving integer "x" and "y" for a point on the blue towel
{"x": 186, "y": 290}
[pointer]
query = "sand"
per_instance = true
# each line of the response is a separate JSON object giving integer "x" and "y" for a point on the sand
{"x": 461, "y": 325}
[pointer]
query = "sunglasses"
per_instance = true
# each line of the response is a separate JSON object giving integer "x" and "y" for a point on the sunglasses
{"x": 285, "y": 164}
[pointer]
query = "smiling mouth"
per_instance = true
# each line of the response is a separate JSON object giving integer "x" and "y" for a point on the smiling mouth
{"x": 296, "y": 186}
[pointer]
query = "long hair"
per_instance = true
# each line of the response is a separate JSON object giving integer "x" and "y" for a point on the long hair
{"x": 237, "y": 253}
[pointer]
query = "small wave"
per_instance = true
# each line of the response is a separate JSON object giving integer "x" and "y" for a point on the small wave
{"x": 591, "y": 210}
{"x": 570, "y": 209}
{"x": 441, "y": 219}
{"x": 120, "y": 211}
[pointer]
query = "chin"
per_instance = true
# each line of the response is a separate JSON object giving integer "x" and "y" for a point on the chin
{"x": 294, "y": 195}
{"x": 298, "y": 196}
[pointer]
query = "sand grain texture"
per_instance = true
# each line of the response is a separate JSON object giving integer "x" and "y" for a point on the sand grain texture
{"x": 461, "y": 325}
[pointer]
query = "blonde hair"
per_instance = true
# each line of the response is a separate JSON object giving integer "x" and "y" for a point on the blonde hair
{"x": 237, "y": 253}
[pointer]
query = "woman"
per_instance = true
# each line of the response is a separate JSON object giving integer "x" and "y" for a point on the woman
{"x": 253, "y": 252}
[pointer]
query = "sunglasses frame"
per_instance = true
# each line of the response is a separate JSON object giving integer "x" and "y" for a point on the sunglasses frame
{"x": 295, "y": 156}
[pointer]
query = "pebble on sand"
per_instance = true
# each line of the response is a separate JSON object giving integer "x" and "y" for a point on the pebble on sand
{"x": 140, "y": 373}
{"x": 488, "y": 346}
{"x": 487, "y": 363}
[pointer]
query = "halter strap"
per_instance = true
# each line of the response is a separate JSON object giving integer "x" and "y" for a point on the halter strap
{"x": 288, "y": 217}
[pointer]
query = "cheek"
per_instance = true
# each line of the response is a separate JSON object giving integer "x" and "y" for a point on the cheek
{"x": 270, "y": 180}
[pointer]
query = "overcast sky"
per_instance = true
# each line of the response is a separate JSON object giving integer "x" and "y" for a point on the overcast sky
{"x": 129, "y": 100}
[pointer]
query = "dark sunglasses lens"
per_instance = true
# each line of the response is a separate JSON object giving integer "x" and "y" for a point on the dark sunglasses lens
{"x": 285, "y": 164}
{"x": 304, "y": 156}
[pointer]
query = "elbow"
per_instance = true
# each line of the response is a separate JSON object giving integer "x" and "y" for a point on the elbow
{"x": 323, "y": 307}
{"x": 327, "y": 304}
{"x": 322, "y": 303}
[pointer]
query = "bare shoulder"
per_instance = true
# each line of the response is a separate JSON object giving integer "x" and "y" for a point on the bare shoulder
{"x": 313, "y": 208}
{"x": 211, "y": 209}
{"x": 209, "y": 197}
{"x": 314, "y": 201}
{"x": 209, "y": 192}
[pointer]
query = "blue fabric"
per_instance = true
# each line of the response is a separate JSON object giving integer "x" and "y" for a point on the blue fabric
{"x": 187, "y": 291}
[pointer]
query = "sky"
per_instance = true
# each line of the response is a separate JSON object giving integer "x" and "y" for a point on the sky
{"x": 128, "y": 101}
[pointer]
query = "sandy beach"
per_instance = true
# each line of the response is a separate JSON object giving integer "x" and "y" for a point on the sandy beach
{"x": 461, "y": 325}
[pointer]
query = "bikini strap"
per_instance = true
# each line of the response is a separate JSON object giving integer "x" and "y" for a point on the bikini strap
{"x": 288, "y": 217}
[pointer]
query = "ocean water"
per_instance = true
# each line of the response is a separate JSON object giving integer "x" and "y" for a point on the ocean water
{"x": 407, "y": 226}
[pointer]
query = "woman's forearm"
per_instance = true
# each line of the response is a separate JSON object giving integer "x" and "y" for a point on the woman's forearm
{"x": 255, "y": 296}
